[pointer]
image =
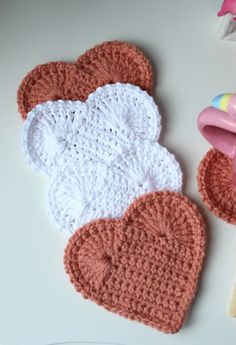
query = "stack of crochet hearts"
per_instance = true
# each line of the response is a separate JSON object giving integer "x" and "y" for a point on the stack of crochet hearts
{"x": 92, "y": 127}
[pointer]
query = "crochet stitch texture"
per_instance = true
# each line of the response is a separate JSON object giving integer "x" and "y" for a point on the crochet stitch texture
{"x": 111, "y": 131}
{"x": 216, "y": 187}
{"x": 100, "y": 154}
{"x": 107, "y": 63}
{"x": 93, "y": 129}
{"x": 79, "y": 193}
{"x": 146, "y": 265}
{"x": 100, "y": 129}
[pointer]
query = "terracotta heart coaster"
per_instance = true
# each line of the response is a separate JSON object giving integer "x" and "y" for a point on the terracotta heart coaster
{"x": 107, "y": 63}
{"x": 215, "y": 185}
{"x": 144, "y": 267}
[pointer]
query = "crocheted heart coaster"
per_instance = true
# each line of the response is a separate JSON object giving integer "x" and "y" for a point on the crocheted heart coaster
{"x": 117, "y": 127}
{"x": 144, "y": 267}
{"x": 216, "y": 187}
{"x": 107, "y": 63}
{"x": 79, "y": 193}
{"x": 112, "y": 118}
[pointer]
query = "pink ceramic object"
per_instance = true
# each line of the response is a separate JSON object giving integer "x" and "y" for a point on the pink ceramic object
{"x": 218, "y": 126}
{"x": 228, "y": 6}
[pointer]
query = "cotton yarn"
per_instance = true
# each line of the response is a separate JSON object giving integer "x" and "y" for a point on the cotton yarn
{"x": 145, "y": 266}
{"x": 112, "y": 118}
{"x": 215, "y": 185}
{"x": 92, "y": 127}
{"x": 107, "y": 63}
{"x": 78, "y": 193}
{"x": 117, "y": 127}
{"x": 117, "y": 61}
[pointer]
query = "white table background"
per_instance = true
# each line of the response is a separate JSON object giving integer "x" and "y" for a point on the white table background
{"x": 38, "y": 306}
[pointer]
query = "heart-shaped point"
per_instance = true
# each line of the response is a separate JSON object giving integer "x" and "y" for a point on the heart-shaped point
{"x": 145, "y": 266}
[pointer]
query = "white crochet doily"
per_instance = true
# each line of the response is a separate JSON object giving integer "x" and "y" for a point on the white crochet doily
{"x": 79, "y": 193}
{"x": 100, "y": 154}
{"x": 97, "y": 130}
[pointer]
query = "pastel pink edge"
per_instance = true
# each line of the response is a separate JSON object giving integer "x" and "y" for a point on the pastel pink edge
{"x": 228, "y": 6}
{"x": 219, "y": 129}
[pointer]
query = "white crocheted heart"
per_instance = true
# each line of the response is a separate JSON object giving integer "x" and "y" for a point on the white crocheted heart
{"x": 101, "y": 154}
{"x": 151, "y": 166}
{"x": 112, "y": 118}
{"x": 81, "y": 192}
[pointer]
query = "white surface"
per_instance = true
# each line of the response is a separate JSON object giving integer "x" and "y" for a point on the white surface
{"x": 37, "y": 304}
